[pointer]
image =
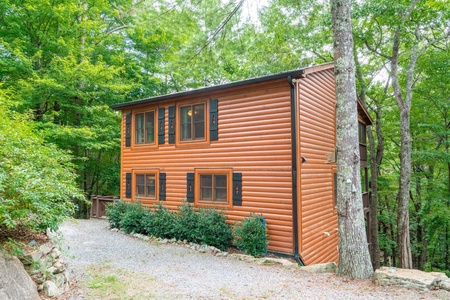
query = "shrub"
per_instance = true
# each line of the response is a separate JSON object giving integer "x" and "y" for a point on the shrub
{"x": 160, "y": 223}
{"x": 134, "y": 218}
{"x": 250, "y": 235}
{"x": 186, "y": 224}
{"x": 213, "y": 229}
{"x": 115, "y": 212}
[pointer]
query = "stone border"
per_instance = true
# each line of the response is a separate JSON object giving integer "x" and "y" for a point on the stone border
{"x": 47, "y": 268}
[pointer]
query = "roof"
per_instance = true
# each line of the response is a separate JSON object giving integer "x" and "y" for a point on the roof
{"x": 292, "y": 73}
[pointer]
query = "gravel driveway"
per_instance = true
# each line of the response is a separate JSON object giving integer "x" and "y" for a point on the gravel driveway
{"x": 112, "y": 265}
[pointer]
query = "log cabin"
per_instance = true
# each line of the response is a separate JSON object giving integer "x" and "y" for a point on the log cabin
{"x": 264, "y": 145}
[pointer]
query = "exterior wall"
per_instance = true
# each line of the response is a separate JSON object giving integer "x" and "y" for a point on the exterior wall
{"x": 254, "y": 132}
{"x": 316, "y": 126}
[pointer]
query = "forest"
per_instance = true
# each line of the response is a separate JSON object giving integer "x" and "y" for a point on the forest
{"x": 64, "y": 62}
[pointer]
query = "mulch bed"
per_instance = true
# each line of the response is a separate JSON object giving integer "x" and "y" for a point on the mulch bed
{"x": 22, "y": 235}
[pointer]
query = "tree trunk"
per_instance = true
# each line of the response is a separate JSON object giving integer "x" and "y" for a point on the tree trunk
{"x": 354, "y": 259}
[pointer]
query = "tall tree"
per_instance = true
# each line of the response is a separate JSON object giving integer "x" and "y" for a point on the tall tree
{"x": 354, "y": 258}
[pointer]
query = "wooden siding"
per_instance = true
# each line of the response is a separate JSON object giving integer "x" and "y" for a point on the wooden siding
{"x": 254, "y": 132}
{"x": 316, "y": 127}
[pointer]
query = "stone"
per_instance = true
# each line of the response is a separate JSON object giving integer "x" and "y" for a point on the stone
{"x": 47, "y": 247}
{"x": 445, "y": 285}
{"x": 51, "y": 270}
{"x": 50, "y": 289}
{"x": 320, "y": 268}
{"x": 32, "y": 243}
{"x": 173, "y": 240}
{"x": 164, "y": 241}
{"x": 15, "y": 283}
{"x": 60, "y": 266}
{"x": 60, "y": 280}
{"x": 204, "y": 249}
{"x": 55, "y": 253}
{"x": 243, "y": 257}
{"x": 278, "y": 261}
{"x": 408, "y": 278}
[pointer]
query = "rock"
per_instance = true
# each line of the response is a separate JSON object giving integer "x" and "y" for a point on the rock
{"x": 408, "y": 278}
{"x": 47, "y": 248}
{"x": 164, "y": 241}
{"x": 32, "y": 243}
{"x": 50, "y": 289}
{"x": 55, "y": 253}
{"x": 320, "y": 268}
{"x": 243, "y": 257}
{"x": 173, "y": 240}
{"x": 60, "y": 280}
{"x": 445, "y": 285}
{"x": 279, "y": 261}
{"x": 15, "y": 283}
{"x": 204, "y": 249}
{"x": 114, "y": 230}
{"x": 60, "y": 266}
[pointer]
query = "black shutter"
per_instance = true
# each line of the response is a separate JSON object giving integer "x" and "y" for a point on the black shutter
{"x": 237, "y": 189}
{"x": 161, "y": 112}
{"x": 190, "y": 188}
{"x": 171, "y": 124}
{"x": 128, "y": 185}
{"x": 213, "y": 119}
{"x": 128, "y": 130}
{"x": 162, "y": 186}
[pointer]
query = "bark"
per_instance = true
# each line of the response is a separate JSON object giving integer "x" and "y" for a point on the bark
{"x": 354, "y": 259}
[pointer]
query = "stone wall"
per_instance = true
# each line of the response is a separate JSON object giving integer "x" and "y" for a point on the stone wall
{"x": 47, "y": 268}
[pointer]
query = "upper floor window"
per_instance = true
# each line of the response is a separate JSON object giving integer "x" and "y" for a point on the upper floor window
{"x": 145, "y": 128}
{"x": 192, "y": 122}
{"x": 362, "y": 133}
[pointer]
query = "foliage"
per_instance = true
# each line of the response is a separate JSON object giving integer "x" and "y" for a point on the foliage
{"x": 250, "y": 235}
{"x": 207, "y": 226}
{"x": 37, "y": 180}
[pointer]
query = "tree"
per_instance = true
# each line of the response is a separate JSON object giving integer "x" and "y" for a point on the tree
{"x": 37, "y": 180}
{"x": 404, "y": 32}
{"x": 354, "y": 259}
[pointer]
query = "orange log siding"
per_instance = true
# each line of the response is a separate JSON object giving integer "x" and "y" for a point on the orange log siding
{"x": 254, "y": 139}
{"x": 316, "y": 127}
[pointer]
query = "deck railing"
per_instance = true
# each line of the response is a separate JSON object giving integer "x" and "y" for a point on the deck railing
{"x": 98, "y": 206}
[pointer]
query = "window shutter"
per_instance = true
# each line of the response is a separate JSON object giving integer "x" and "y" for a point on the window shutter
{"x": 190, "y": 188}
{"x": 162, "y": 186}
{"x": 161, "y": 112}
{"x": 171, "y": 124}
{"x": 128, "y": 130}
{"x": 128, "y": 185}
{"x": 213, "y": 119}
{"x": 237, "y": 189}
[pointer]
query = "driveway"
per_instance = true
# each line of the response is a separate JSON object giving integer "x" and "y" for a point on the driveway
{"x": 104, "y": 264}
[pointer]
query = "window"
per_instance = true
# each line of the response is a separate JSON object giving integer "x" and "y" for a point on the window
{"x": 145, "y": 128}
{"x": 192, "y": 122}
{"x": 362, "y": 133}
{"x": 213, "y": 186}
{"x": 145, "y": 186}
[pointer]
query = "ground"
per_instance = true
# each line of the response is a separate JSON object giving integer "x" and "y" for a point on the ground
{"x": 112, "y": 265}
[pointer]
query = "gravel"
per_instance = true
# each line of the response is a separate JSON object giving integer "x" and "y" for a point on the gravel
{"x": 166, "y": 271}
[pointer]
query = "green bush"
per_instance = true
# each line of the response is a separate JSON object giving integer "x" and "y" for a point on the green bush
{"x": 250, "y": 235}
{"x": 160, "y": 223}
{"x": 115, "y": 212}
{"x": 207, "y": 226}
{"x": 134, "y": 218}
{"x": 213, "y": 229}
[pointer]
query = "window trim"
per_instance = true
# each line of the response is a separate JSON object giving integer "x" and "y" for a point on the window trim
{"x": 154, "y": 172}
{"x": 204, "y": 171}
{"x": 153, "y": 144}
{"x": 192, "y": 142}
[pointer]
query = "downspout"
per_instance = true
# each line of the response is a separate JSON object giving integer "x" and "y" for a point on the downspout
{"x": 294, "y": 170}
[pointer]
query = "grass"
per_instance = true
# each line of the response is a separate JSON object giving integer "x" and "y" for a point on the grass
{"x": 108, "y": 282}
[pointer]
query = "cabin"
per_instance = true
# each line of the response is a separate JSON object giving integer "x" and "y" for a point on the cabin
{"x": 264, "y": 145}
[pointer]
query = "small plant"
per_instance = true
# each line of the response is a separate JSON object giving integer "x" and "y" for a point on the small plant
{"x": 13, "y": 247}
{"x": 213, "y": 229}
{"x": 133, "y": 219}
{"x": 250, "y": 235}
{"x": 115, "y": 212}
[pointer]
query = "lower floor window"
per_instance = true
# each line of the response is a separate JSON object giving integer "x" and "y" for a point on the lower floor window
{"x": 213, "y": 188}
{"x": 146, "y": 186}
